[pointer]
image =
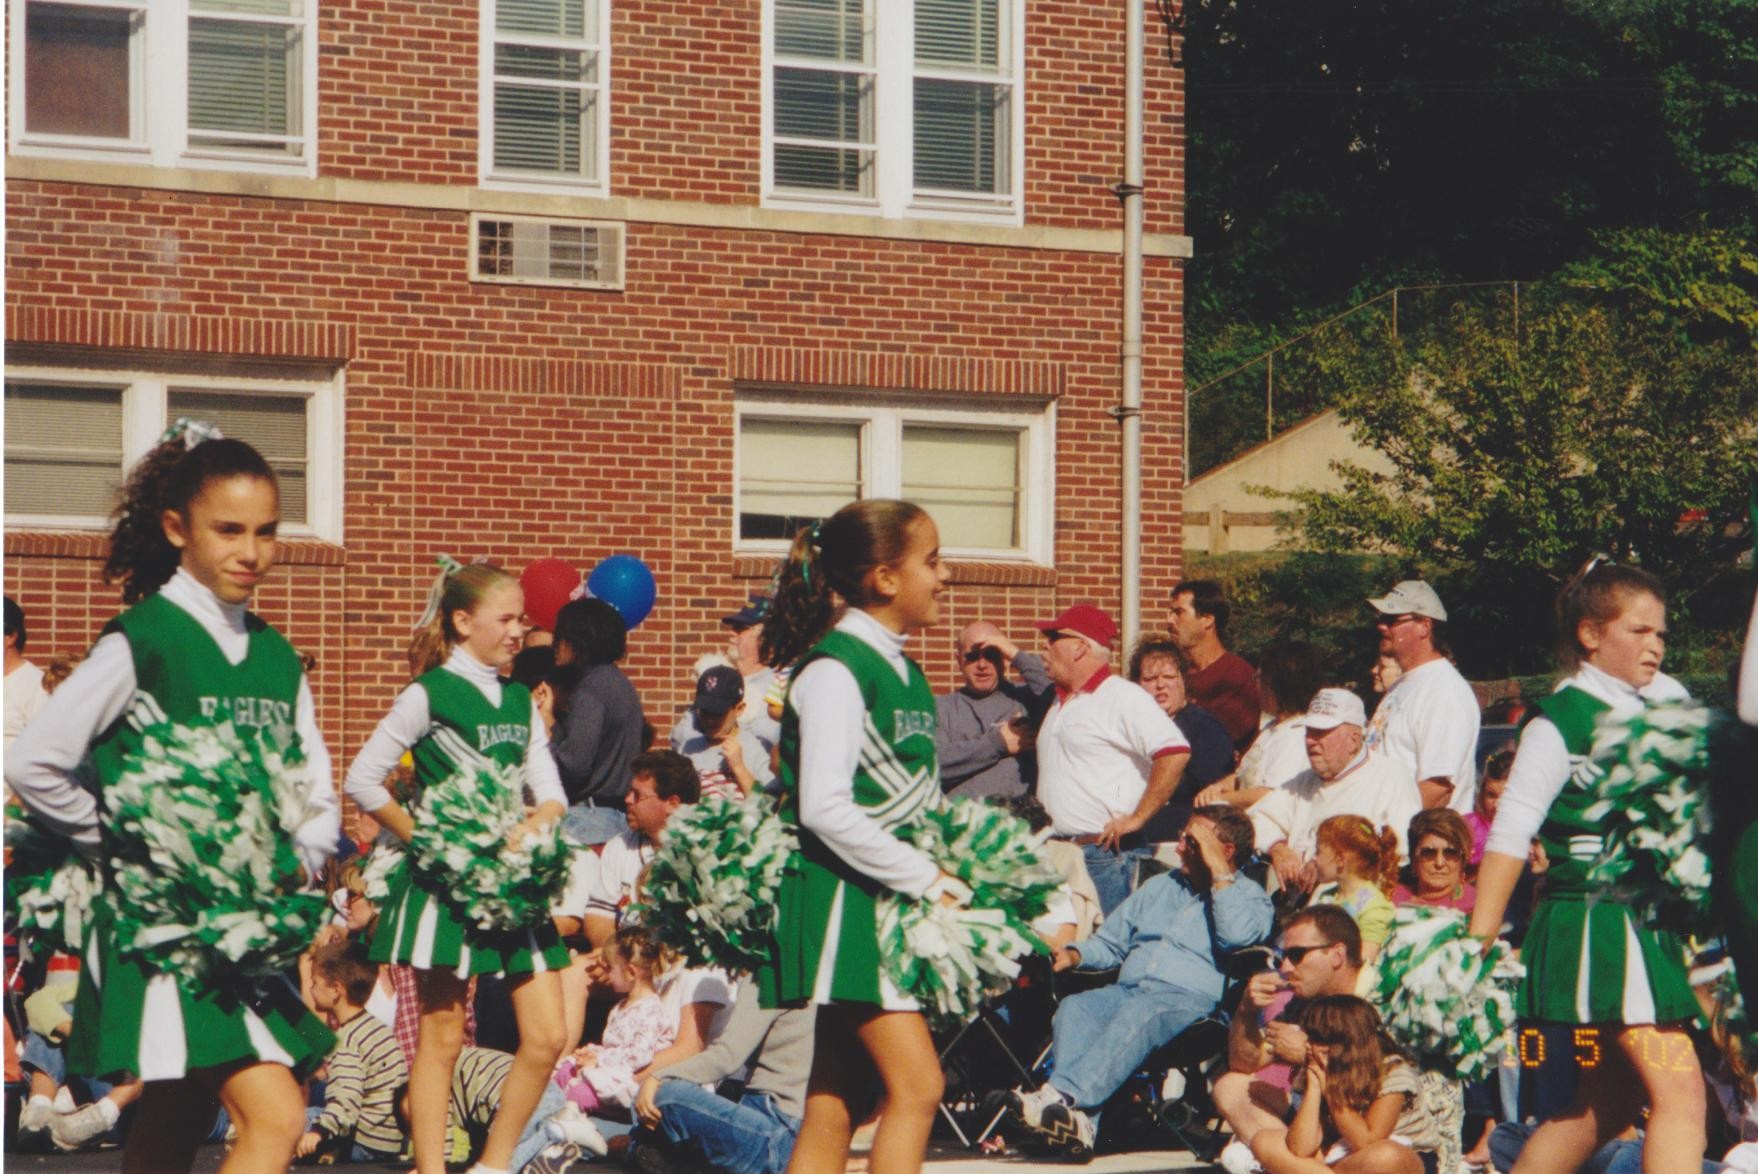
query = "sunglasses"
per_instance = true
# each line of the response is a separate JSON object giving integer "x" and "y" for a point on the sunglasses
{"x": 1295, "y": 955}
{"x": 1393, "y": 621}
{"x": 976, "y": 654}
{"x": 1439, "y": 854}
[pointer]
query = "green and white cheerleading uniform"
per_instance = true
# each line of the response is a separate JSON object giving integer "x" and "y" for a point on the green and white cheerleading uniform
{"x": 459, "y": 713}
{"x": 1589, "y": 959}
{"x": 181, "y": 655}
{"x": 857, "y": 764}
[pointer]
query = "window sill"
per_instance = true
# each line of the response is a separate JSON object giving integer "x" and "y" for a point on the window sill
{"x": 95, "y": 544}
{"x": 970, "y": 572}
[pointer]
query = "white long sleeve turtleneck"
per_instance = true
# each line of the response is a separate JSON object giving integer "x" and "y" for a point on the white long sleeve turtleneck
{"x": 831, "y": 711}
{"x": 410, "y": 720}
{"x": 1542, "y": 767}
{"x": 42, "y": 764}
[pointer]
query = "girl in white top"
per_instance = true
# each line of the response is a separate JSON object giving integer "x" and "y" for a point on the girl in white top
{"x": 1589, "y": 957}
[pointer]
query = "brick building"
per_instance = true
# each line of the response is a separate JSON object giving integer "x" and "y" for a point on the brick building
{"x": 519, "y": 278}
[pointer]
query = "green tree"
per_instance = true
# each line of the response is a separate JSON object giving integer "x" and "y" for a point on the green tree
{"x": 1608, "y": 425}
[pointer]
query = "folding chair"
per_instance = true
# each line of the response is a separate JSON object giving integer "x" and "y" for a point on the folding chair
{"x": 1003, "y": 1047}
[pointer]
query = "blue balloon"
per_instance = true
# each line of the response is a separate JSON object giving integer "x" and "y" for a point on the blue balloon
{"x": 624, "y": 582}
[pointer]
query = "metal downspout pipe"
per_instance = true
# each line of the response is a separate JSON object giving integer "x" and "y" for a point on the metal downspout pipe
{"x": 1128, "y": 413}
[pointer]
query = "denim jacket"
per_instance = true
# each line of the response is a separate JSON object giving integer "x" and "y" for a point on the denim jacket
{"x": 1167, "y": 932}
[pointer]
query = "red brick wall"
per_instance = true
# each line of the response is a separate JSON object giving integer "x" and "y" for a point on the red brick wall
{"x": 517, "y": 422}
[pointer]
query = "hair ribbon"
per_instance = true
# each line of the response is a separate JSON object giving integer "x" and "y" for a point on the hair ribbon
{"x": 191, "y": 432}
{"x": 448, "y": 566}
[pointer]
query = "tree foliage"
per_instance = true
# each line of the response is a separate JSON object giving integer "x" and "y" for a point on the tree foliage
{"x": 1607, "y": 425}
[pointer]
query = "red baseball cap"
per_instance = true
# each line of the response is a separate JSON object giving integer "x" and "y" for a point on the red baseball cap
{"x": 1089, "y": 621}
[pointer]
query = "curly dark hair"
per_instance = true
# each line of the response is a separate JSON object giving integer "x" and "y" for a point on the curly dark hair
{"x": 833, "y": 556}
{"x": 169, "y": 477}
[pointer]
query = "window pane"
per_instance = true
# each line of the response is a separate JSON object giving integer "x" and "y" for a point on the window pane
{"x": 961, "y": 136}
{"x": 816, "y": 104}
{"x": 274, "y": 424}
{"x": 78, "y": 70}
{"x": 968, "y": 479}
{"x": 560, "y": 65}
{"x": 63, "y": 449}
{"x": 545, "y": 129}
{"x": 293, "y": 8}
{"x": 547, "y": 18}
{"x": 962, "y": 33}
{"x": 828, "y": 29}
{"x": 243, "y": 78}
{"x": 792, "y": 473}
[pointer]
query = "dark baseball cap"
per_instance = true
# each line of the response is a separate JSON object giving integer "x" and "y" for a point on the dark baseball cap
{"x": 754, "y": 612}
{"x": 718, "y": 689}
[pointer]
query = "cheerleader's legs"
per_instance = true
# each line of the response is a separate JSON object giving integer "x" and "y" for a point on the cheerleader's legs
{"x": 851, "y": 1044}
{"x": 537, "y": 1006}
{"x": 173, "y": 1117}
{"x": 1656, "y": 1066}
{"x": 437, "y": 1046}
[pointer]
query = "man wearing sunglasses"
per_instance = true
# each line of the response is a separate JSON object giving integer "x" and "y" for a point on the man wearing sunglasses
{"x": 1320, "y": 954}
{"x": 1429, "y": 719}
{"x": 985, "y": 734}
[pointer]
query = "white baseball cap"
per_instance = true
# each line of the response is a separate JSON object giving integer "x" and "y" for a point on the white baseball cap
{"x": 1412, "y": 597}
{"x": 1331, "y": 708}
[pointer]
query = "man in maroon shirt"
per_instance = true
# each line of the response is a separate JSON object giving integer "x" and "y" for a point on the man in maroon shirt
{"x": 1222, "y": 682}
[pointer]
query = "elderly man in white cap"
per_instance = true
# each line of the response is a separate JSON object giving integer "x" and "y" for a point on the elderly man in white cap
{"x": 1344, "y": 779}
{"x": 1429, "y": 719}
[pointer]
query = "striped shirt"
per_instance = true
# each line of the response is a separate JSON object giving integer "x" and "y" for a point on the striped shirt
{"x": 366, "y": 1069}
{"x": 476, "y": 1090}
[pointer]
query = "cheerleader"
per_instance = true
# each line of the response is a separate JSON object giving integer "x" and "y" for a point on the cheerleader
{"x": 1588, "y": 958}
{"x": 457, "y": 713}
{"x": 857, "y": 764}
{"x": 195, "y": 534}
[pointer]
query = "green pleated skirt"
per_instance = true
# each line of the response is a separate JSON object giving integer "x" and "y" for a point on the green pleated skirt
{"x": 1592, "y": 961}
{"x": 129, "y": 1017}
{"x": 418, "y": 928}
{"x": 827, "y": 937}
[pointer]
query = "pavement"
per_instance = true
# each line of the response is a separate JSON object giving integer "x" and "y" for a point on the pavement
{"x": 941, "y": 1160}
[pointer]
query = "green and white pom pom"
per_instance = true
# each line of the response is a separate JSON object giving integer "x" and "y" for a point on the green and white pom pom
{"x": 1444, "y": 997}
{"x": 51, "y": 886}
{"x": 460, "y": 850}
{"x": 377, "y": 869}
{"x": 207, "y": 879}
{"x": 951, "y": 959}
{"x": 1651, "y": 794}
{"x": 711, "y": 889}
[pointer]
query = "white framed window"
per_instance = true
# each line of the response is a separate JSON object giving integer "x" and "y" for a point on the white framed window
{"x": 545, "y": 94}
{"x": 987, "y": 475}
{"x": 895, "y": 107}
{"x": 73, "y": 434}
{"x": 202, "y": 83}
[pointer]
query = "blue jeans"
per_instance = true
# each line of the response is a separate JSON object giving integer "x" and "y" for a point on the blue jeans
{"x": 589, "y": 825}
{"x": 1100, "y": 1038}
{"x": 532, "y": 1140}
{"x": 747, "y": 1136}
{"x": 1614, "y": 1157}
{"x": 1113, "y": 873}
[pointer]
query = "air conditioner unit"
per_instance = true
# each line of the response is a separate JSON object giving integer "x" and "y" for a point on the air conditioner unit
{"x": 530, "y": 250}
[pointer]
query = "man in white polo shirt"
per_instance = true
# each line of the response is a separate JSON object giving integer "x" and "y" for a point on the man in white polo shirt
{"x": 1344, "y": 779}
{"x": 1108, "y": 756}
{"x": 1428, "y": 721}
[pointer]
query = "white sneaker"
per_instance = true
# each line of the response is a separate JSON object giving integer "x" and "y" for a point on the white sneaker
{"x": 1030, "y": 1106}
{"x": 34, "y": 1120}
{"x": 1237, "y": 1159}
{"x": 70, "y": 1131}
{"x": 64, "y": 1102}
{"x": 571, "y": 1125}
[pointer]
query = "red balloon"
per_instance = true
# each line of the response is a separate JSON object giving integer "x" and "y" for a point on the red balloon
{"x": 548, "y": 584}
